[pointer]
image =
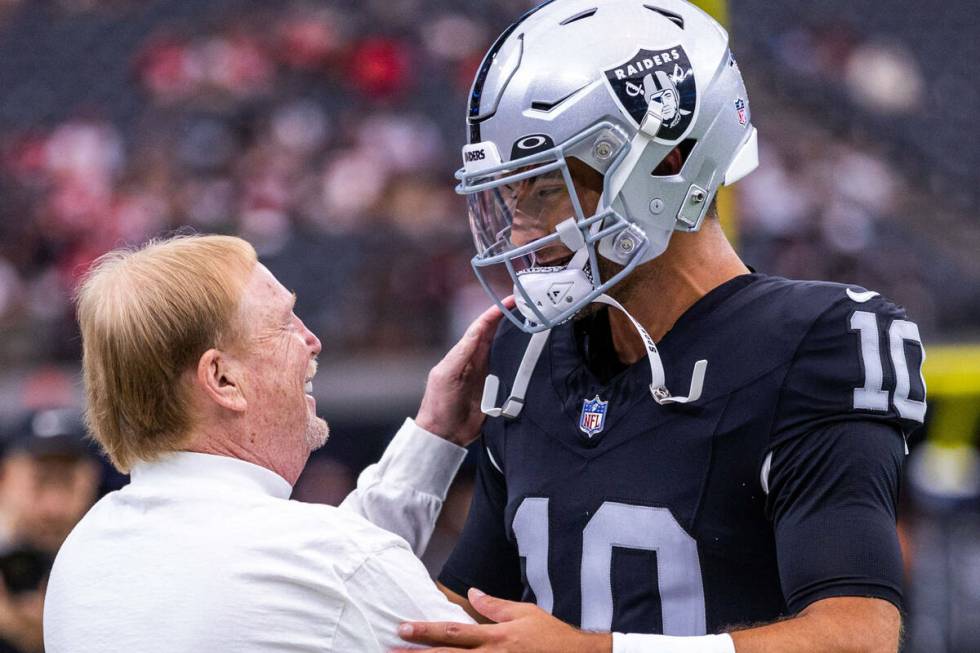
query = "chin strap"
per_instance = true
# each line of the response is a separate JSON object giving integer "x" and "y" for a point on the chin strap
{"x": 658, "y": 389}
{"x": 512, "y": 407}
{"x": 649, "y": 126}
{"x": 658, "y": 383}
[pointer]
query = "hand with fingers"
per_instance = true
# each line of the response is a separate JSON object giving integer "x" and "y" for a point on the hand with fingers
{"x": 451, "y": 405}
{"x": 517, "y": 628}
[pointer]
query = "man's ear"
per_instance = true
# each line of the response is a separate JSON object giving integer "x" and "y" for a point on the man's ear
{"x": 220, "y": 376}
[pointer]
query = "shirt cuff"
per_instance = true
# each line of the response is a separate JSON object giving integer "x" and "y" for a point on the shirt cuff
{"x": 421, "y": 460}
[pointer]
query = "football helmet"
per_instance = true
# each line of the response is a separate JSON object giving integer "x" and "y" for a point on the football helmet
{"x": 616, "y": 86}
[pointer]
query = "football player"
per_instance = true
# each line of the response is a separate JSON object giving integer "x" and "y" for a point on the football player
{"x": 682, "y": 451}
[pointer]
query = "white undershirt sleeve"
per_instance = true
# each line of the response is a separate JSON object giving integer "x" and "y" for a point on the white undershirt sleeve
{"x": 404, "y": 491}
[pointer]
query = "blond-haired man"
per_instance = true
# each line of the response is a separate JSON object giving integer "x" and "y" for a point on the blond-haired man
{"x": 198, "y": 376}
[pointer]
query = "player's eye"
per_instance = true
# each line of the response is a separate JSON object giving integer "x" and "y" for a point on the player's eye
{"x": 549, "y": 191}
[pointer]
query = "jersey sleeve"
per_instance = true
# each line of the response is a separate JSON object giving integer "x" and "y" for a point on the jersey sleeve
{"x": 484, "y": 557}
{"x": 832, "y": 501}
{"x": 857, "y": 361}
{"x": 851, "y": 395}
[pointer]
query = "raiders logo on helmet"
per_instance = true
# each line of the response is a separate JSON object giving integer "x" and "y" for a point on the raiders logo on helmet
{"x": 662, "y": 76}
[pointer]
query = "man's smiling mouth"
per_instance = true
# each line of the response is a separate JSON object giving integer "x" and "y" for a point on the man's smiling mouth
{"x": 308, "y": 380}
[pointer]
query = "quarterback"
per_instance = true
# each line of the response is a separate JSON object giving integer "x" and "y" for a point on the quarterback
{"x": 683, "y": 454}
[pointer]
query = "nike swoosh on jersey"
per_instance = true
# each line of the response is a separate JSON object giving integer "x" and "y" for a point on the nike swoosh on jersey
{"x": 861, "y": 297}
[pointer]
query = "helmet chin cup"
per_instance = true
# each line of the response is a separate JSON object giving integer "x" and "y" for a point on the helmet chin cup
{"x": 543, "y": 294}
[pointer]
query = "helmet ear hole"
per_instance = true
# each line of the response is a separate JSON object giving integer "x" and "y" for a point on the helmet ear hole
{"x": 585, "y": 175}
{"x": 674, "y": 162}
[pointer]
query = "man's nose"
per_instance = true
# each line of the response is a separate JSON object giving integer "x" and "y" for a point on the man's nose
{"x": 312, "y": 341}
{"x": 525, "y": 229}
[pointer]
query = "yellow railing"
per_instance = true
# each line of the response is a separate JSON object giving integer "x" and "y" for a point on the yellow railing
{"x": 717, "y": 8}
{"x": 726, "y": 196}
{"x": 952, "y": 374}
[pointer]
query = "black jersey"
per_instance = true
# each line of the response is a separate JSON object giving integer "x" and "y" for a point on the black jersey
{"x": 776, "y": 488}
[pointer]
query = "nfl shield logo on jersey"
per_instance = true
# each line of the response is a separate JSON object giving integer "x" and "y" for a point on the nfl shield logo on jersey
{"x": 593, "y": 416}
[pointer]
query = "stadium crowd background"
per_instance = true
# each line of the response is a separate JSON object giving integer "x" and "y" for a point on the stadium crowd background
{"x": 326, "y": 133}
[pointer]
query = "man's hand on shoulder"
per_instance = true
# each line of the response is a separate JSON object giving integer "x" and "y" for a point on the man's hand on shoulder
{"x": 451, "y": 405}
{"x": 518, "y": 626}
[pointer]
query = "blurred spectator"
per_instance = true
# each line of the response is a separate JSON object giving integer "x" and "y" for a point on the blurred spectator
{"x": 326, "y": 134}
{"x": 49, "y": 478}
{"x": 24, "y": 573}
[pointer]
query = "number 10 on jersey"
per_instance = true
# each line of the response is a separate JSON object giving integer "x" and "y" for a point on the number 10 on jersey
{"x": 618, "y": 525}
{"x": 873, "y": 396}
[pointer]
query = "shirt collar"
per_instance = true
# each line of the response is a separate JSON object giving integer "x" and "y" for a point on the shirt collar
{"x": 183, "y": 467}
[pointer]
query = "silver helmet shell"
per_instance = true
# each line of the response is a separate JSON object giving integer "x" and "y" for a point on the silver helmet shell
{"x": 618, "y": 85}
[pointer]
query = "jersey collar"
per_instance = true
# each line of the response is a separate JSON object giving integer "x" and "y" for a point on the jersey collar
{"x": 184, "y": 468}
{"x": 713, "y": 299}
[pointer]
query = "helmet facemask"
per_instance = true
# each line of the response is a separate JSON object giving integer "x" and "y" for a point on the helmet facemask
{"x": 528, "y": 220}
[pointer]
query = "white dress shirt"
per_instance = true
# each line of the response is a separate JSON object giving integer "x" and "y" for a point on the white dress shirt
{"x": 206, "y": 554}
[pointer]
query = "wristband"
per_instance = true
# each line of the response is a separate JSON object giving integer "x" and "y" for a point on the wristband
{"x": 639, "y": 643}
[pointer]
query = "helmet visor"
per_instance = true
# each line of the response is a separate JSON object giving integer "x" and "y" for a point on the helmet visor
{"x": 517, "y": 211}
